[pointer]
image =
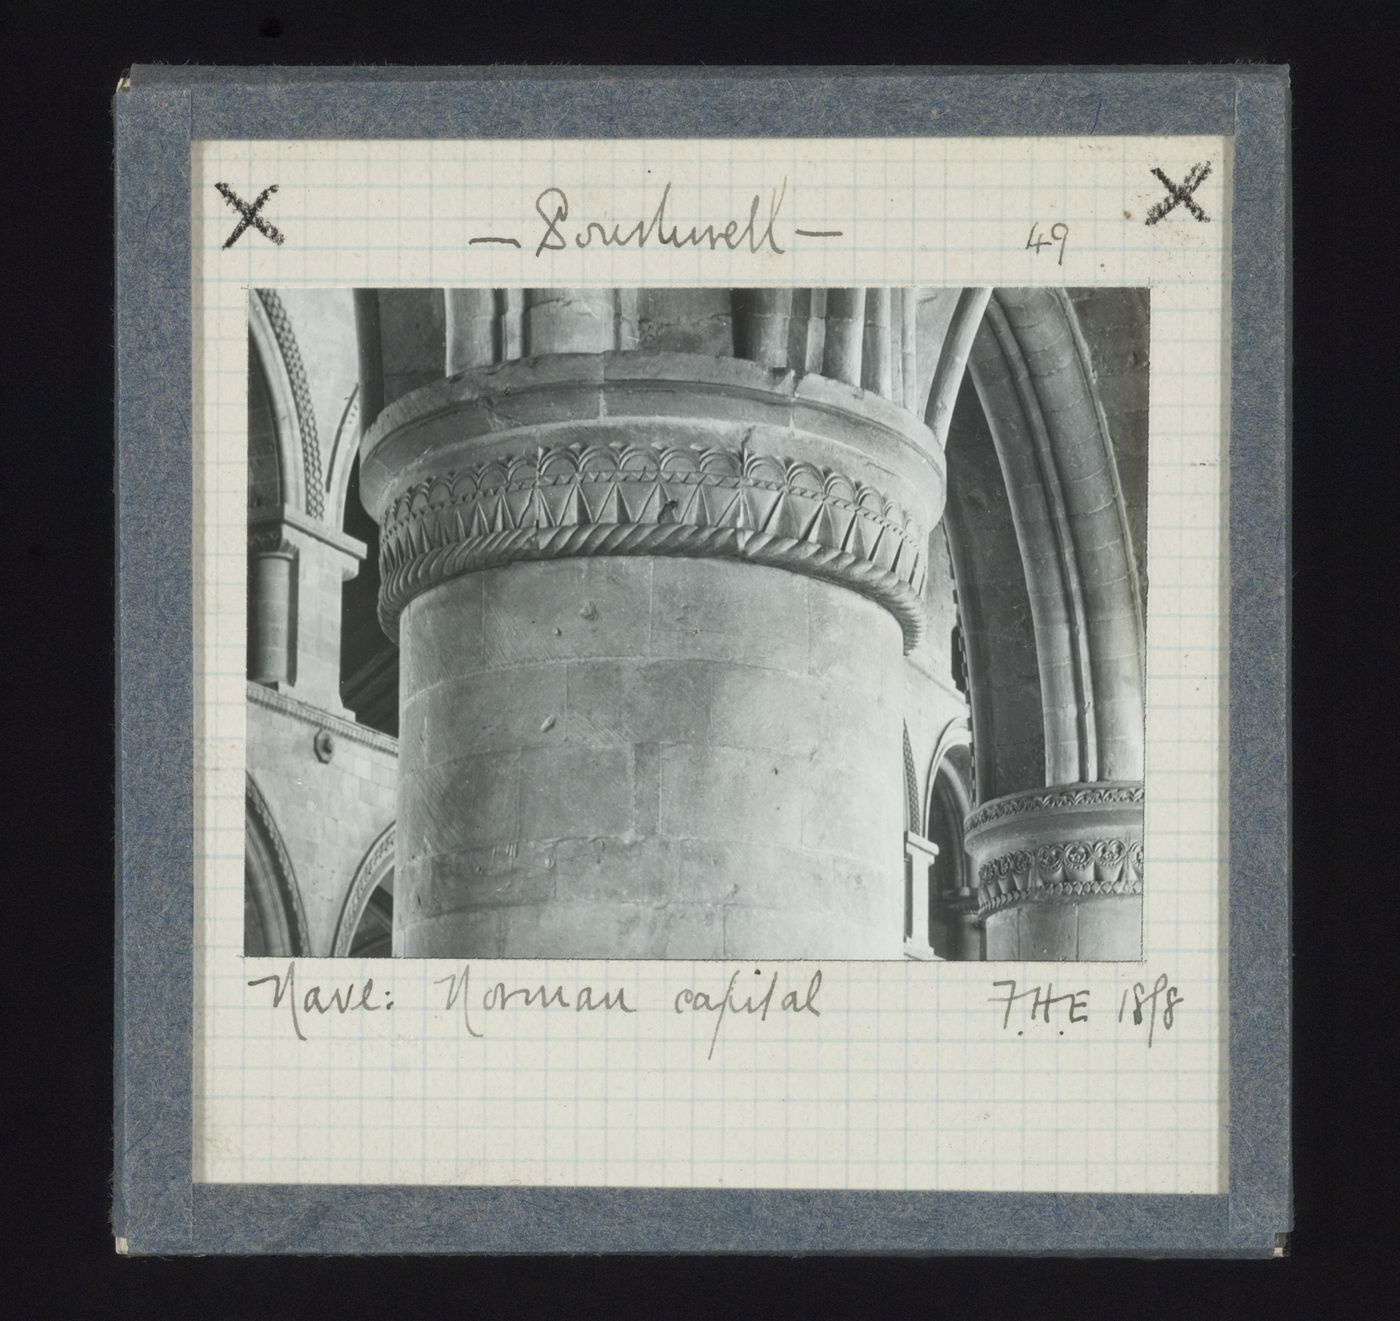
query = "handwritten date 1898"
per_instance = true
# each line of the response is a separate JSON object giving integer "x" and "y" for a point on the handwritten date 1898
{"x": 1039, "y": 1006}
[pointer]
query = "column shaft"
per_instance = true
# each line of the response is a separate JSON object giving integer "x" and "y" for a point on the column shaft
{"x": 270, "y": 581}
{"x": 648, "y": 757}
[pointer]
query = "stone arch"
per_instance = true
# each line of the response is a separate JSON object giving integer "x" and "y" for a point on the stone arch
{"x": 952, "y": 898}
{"x": 1000, "y": 664}
{"x": 308, "y": 343}
{"x": 369, "y": 659}
{"x": 950, "y": 318}
{"x": 949, "y": 804}
{"x": 1076, "y": 609}
{"x": 268, "y": 344}
{"x": 344, "y": 457}
{"x": 951, "y": 754}
{"x": 373, "y": 877}
{"x": 264, "y": 456}
{"x": 274, "y": 920}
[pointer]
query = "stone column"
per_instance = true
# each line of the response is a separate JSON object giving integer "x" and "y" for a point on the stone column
{"x": 1059, "y": 872}
{"x": 652, "y": 608}
{"x": 271, "y": 576}
{"x": 295, "y": 570}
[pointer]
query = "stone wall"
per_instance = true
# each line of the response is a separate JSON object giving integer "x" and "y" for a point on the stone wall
{"x": 327, "y": 812}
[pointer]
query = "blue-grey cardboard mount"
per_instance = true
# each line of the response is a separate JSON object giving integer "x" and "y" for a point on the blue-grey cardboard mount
{"x": 160, "y": 112}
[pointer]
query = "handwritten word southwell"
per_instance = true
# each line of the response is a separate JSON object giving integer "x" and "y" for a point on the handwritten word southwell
{"x": 658, "y": 229}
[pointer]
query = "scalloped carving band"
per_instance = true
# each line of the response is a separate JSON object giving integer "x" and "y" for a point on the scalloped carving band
{"x": 1060, "y": 871}
{"x": 647, "y": 500}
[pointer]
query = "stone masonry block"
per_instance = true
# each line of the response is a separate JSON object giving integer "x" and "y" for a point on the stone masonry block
{"x": 838, "y": 819}
{"x": 727, "y": 873}
{"x": 468, "y": 803}
{"x": 597, "y": 930}
{"x": 731, "y": 793}
{"x": 441, "y": 632}
{"x": 638, "y": 701}
{"x": 616, "y": 870}
{"x": 568, "y": 792}
{"x": 851, "y": 639}
{"x": 566, "y": 609}
{"x": 1047, "y": 931}
{"x": 755, "y": 708}
{"x": 492, "y": 711}
{"x": 1111, "y": 928}
{"x": 478, "y": 878}
{"x": 739, "y": 613}
{"x": 762, "y": 933}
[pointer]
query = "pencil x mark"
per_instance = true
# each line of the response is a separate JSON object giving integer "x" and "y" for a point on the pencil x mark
{"x": 1180, "y": 194}
{"x": 249, "y": 214}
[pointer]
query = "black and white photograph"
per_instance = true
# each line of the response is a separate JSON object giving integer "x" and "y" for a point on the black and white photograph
{"x": 668, "y": 623}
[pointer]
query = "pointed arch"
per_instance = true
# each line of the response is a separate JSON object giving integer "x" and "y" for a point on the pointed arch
{"x": 274, "y": 920}
{"x": 374, "y": 874}
{"x": 952, "y": 899}
{"x": 953, "y": 750}
{"x": 345, "y": 453}
{"x": 266, "y": 350}
{"x": 1032, "y": 377}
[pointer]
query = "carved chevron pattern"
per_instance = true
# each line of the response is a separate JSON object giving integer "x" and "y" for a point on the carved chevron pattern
{"x": 301, "y": 396}
{"x": 645, "y": 500}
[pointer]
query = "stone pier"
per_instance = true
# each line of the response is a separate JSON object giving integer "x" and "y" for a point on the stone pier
{"x": 1059, "y": 872}
{"x": 652, "y": 608}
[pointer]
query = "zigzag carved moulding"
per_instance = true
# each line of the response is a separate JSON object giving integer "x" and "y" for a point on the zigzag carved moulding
{"x": 649, "y": 500}
{"x": 301, "y": 396}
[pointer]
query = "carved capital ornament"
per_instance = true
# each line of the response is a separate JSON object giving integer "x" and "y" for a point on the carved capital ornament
{"x": 653, "y": 454}
{"x": 1059, "y": 844}
{"x": 648, "y": 500}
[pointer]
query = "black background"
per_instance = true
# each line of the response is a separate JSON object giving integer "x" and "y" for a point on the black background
{"x": 60, "y": 67}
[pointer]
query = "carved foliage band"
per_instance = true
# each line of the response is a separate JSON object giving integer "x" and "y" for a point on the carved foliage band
{"x": 1080, "y": 867}
{"x": 649, "y": 500}
{"x": 264, "y": 539}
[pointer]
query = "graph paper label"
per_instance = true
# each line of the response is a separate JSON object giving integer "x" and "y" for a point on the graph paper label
{"x": 374, "y": 324}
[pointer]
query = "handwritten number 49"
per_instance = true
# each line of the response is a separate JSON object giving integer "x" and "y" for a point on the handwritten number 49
{"x": 1059, "y": 232}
